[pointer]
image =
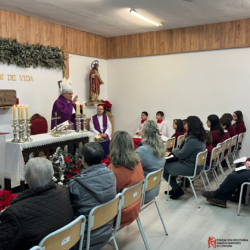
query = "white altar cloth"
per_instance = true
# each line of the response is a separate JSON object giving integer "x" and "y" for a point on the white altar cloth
{"x": 14, "y": 162}
{"x": 2, "y": 156}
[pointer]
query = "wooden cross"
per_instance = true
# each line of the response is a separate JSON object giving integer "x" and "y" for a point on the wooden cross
{"x": 56, "y": 118}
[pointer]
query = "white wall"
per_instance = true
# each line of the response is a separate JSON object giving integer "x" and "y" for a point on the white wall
{"x": 39, "y": 94}
{"x": 79, "y": 68}
{"x": 197, "y": 83}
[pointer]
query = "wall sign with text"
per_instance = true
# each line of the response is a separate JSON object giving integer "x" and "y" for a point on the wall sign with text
{"x": 9, "y": 77}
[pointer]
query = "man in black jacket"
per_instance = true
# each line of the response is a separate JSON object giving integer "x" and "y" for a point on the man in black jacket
{"x": 36, "y": 212}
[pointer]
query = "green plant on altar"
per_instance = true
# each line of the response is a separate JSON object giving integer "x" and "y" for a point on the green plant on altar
{"x": 65, "y": 166}
{"x": 26, "y": 55}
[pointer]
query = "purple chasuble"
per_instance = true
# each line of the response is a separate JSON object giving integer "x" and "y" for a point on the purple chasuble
{"x": 64, "y": 110}
{"x": 97, "y": 125}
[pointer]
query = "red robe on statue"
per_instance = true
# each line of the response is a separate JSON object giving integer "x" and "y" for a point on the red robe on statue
{"x": 94, "y": 86}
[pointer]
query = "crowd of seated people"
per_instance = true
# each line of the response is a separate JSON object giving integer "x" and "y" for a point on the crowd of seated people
{"x": 46, "y": 207}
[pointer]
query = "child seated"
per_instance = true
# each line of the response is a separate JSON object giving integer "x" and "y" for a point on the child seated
{"x": 179, "y": 130}
{"x": 144, "y": 117}
{"x": 225, "y": 123}
{"x": 161, "y": 124}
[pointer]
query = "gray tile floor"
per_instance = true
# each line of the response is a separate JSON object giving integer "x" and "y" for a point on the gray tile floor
{"x": 188, "y": 226}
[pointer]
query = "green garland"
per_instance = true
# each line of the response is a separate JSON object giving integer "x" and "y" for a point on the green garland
{"x": 26, "y": 55}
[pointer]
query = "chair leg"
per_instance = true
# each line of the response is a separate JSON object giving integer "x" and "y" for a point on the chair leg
{"x": 142, "y": 233}
{"x": 168, "y": 186}
{"x": 203, "y": 182}
{"x": 247, "y": 195}
{"x": 116, "y": 247}
{"x": 194, "y": 193}
{"x": 241, "y": 190}
{"x": 215, "y": 178}
{"x": 163, "y": 224}
{"x": 222, "y": 171}
{"x": 229, "y": 165}
{"x": 208, "y": 181}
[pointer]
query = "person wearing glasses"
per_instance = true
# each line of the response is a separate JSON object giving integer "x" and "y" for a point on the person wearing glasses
{"x": 100, "y": 124}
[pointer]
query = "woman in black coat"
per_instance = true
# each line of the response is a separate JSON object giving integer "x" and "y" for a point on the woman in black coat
{"x": 36, "y": 212}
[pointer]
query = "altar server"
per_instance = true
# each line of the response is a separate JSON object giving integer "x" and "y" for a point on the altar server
{"x": 144, "y": 117}
{"x": 100, "y": 124}
{"x": 161, "y": 124}
{"x": 64, "y": 105}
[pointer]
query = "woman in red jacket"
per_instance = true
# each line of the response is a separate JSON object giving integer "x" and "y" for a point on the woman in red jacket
{"x": 179, "y": 129}
{"x": 239, "y": 122}
{"x": 231, "y": 129}
{"x": 216, "y": 130}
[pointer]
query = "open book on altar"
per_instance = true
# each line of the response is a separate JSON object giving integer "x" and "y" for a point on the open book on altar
{"x": 63, "y": 126}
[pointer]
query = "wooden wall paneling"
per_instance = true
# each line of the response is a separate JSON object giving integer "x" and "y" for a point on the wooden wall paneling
{"x": 208, "y": 37}
{"x": 201, "y": 37}
{"x": 11, "y": 21}
{"x": 135, "y": 45}
{"x": 21, "y": 32}
{"x": 3, "y": 24}
{"x": 44, "y": 32}
{"x": 241, "y": 33}
{"x": 187, "y": 40}
{"x": 232, "y": 35}
{"x": 34, "y": 31}
{"x": 248, "y": 32}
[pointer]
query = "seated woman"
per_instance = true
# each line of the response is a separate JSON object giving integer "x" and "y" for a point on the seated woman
{"x": 179, "y": 129}
{"x": 216, "y": 130}
{"x": 193, "y": 144}
{"x": 228, "y": 187}
{"x": 36, "y": 212}
{"x": 126, "y": 165}
{"x": 152, "y": 153}
{"x": 231, "y": 129}
{"x": 239, "y": 124}
{"x": 225, "y": 124}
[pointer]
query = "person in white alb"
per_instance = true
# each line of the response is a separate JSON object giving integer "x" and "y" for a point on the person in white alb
{"x": 144, "y": 117}
{"x": 100, "y": 124}
{"x": 162, "y": 125}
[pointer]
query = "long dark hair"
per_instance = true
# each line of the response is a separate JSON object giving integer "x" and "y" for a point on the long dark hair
{"x": 240, "y": 116}
{"x": 215, "y": 125}
{"x": 179, "y": 124}
{"x": 227, "y": 116}
{"x": 195, "y": 128}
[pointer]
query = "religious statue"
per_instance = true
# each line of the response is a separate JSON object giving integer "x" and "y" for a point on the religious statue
{"x": 95, "y": 81}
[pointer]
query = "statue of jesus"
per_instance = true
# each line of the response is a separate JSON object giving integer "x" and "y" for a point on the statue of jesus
{"x": 95, "y": 81}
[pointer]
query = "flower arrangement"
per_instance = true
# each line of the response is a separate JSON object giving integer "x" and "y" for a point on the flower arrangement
{"x": 98, "y": 138}
{"x": 107, "y": 106}
{"x": 65, "y": 167}
{"x": 106, "y": 161}
{"x": 5, "y": 198}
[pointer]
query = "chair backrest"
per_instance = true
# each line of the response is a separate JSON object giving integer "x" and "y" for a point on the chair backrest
{"x": 39, "y": 124}
{"x": 222, "y": 149}
{"x": 87, "y": 123}
{"x": 170, "y": 143}
{"x": 180, "y": 139}
{"x": 104, "y": 213}
{"x": 215, "y": 154}
{"x": 240, "y": 138}
{"x": 227, "y": 146}
{"x": 66, "y": 237}
{"x": 200, "y": 160}
{"x": 234, "y": 140}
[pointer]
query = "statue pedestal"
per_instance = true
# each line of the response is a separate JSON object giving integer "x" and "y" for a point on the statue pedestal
{"x": 93, "y": 102}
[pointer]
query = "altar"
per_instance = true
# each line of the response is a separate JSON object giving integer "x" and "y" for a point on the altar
{"x": 18, "y": 154}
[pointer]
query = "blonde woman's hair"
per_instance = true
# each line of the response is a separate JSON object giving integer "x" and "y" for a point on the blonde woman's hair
{"x": 122, "y": 152}
{"x": 152, "y": 138}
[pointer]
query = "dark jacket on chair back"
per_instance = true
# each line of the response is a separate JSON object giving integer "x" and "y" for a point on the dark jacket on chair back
{"x": 34, "y": 214}
{"x": 95, "y": 186}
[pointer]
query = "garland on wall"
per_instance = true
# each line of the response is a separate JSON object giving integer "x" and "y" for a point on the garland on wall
{"x": 26, "y": 55}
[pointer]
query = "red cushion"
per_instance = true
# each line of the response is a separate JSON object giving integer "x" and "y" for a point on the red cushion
{"x": 38, "y": 126}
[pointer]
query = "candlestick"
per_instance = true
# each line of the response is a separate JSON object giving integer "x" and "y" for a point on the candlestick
{"x": 78, "y": 123}
{"x": 15, "y": 131}
{"x": 28, "y": 129}
{"x": 84, "y": 123}
{"x": 21, "y": 131}
{"x": 27, "y": 112}
{"x": 83, "y": 108}
{"x": 22, "y": 112}
{"x": 14, "y": 113}
{"x": 19, "y": 112}
{"x": 78, "y": 109}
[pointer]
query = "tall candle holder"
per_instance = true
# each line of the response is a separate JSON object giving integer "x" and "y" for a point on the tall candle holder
{"x": 15, "y": 131}
{"x": 78, "y": 123}
{"x": 28, "y": 130}
{"x": 84, "y": 123}
{"x": 21, "y": 131}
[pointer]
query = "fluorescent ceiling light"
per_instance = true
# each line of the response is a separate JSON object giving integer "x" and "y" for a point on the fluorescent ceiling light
{"x": 132, "y": 11}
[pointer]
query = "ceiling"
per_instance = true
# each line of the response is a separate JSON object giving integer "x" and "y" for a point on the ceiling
{"x": 112, "y": 18}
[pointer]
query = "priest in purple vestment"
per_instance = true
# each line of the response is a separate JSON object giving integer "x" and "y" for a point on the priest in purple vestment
{"x": 100, "y": 124}
{"x": 64, "y": 105}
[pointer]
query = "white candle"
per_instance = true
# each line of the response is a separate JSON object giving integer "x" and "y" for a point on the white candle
{"x": 14, "y": 112}
{"x": 22, "y": 112}
{"x": 19, "y": 112}
{"x": 83, "y": 108}
{"x": 78, "y": 109}
{"x": 27, "y": 112}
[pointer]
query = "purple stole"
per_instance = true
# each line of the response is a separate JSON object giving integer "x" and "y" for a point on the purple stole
{"x": 97, "y": 125}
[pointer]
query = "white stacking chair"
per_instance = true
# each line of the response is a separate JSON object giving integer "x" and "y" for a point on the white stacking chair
{"x": 239, "y": 145}
{"x": 247, "y": 195}
{"x": 153, "y": 180}
{"x": 170, "y": 143}
{"x": 212, "y": 165}
{"x": 102, "y": 214}
{"x": 221, "y": 158}
{"x": 65, "y": 237}
{"x": 200, "y": 161}
{"x": 233, "y": 146}
{"x": 131, "y": 195}
{"x": 180, "y": 139}
{"x": 228, "y": 147}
